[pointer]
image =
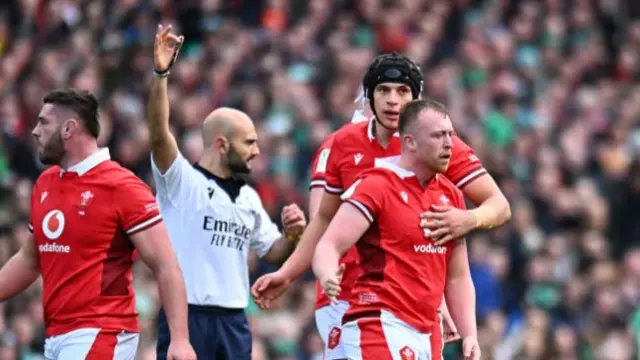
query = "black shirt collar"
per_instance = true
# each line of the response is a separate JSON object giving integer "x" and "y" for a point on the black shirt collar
{"x": 230, "y": 185}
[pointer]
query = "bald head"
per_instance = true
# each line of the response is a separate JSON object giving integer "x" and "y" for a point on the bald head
{"x": 229, "y": 135}
{"x": 225, "y": 122}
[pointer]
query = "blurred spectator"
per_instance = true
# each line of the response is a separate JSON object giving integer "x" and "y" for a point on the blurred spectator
{"x": 547, "y": 93}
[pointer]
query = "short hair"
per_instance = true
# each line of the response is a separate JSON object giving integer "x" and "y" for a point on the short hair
{"x": 410, "y": 111}
{"x": 82, "y": 102}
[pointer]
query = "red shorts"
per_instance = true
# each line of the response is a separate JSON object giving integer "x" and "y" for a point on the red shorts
{"x": 388, "y": 338}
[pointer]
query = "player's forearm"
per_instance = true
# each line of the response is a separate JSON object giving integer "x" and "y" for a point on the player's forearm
{"x": 16, "y": 276}
{"x": 326, "y": 259}
{"x": 460, "y": 297}
{"x": 300, "y": 260}
{"x": 280, "y": 251}
{"x": 493, "y": 212}
{"x": 158, "y": 109}
{"x": 174, "y": 300}
{"x": 163, "y": 146}
{"x": 446, "y": 315}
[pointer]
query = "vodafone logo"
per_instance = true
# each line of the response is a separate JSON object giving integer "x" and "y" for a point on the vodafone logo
{"x": 430, "y": 249}
{"x": 53, "y": 224}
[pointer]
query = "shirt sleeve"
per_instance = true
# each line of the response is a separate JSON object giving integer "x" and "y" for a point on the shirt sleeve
{"x": 319, "y": 164}
{"x": 366, "y": 195}
{"x": 137, "y": 209}
{"x": 465, "y": 165}
{"x": 333, "y": 181}
{"x": 266, "y": 231}
{"x": 177, "y": 183}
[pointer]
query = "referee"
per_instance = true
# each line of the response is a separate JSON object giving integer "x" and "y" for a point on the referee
{"x": 213, "y": 218}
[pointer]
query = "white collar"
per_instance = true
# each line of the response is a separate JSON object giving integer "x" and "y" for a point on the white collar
{"x": 391, "y": 163}
{"x": 370, "y": 129}
{"x": 89, "y": 163}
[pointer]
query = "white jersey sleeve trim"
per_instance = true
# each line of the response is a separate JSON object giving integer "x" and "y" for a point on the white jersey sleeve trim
{"x": 144, "y": 225}
{"x": 333, "y": 190}
{"x": 469, "y": 178}
{"x": 363, "y": 209}
{"x": 318, "y": 183}
{"x": 30, "y": 228}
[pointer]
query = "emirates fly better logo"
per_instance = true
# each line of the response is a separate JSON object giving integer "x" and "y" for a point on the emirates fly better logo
{"x": 52, "y": 227}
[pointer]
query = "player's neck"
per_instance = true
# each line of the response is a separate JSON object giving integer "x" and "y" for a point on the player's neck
{"x": 383, "y": 135}
{"x": 78, "y": 152}
{"x": 214, "y": 166}
{"x": 423, "y": 173}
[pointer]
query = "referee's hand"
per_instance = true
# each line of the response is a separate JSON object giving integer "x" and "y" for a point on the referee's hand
{"x": 293, "y": 221}
{"x": 166, "y": 48}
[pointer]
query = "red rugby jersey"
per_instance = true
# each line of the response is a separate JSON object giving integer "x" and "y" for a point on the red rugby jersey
{"x": 81, "y": 220}
{"x": 402, "y": 271}
{"x": 354, "y": 148}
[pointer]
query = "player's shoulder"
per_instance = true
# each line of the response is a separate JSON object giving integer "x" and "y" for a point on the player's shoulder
{"x": 352, "y": 131}
{"x": 118, "y": 176}
{"x": 328, "y": 141}
{"x": 48, "y": 174}
{"x": 249, "y": 195}
{"x": 325, "y": 147}
{"x": 378, "y": 174}
{"x": 249, "y": 191}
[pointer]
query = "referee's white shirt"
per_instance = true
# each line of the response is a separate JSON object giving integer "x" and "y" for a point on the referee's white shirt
{"x": 212, "y": 232}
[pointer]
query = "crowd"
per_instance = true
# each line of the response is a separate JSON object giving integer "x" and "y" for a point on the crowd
{"x": 546, "y": 92}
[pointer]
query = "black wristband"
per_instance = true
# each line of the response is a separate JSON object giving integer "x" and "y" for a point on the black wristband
{"x": 161, "y": 73}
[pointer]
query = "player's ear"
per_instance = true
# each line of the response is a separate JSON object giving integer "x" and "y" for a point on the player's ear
{"x": 68, "y": 127}
{"x": 410, "y": 143}
{"x": 222, "y": 144}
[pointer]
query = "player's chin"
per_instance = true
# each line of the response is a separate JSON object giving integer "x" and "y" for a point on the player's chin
{"x": 443, "y": 164}
{"x": 391, "y": 124}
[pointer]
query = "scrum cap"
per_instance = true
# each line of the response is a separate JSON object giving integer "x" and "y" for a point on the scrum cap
{"x": 393, "y": 68}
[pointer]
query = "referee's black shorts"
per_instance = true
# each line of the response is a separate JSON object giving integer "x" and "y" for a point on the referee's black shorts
{"x": 215, "y": 333}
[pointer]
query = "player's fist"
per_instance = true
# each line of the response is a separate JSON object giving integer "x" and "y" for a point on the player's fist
{"x": 181, "y": 350}
{"x": 269, "y": 287}
{"x": 293, "y": 220}
{"x": 470, "y": 348}
{"x": 166, "y": 47}
{"x": 331, "y": 284}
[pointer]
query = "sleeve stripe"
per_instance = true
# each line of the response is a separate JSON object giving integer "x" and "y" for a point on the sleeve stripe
{"x": 30, "y": 228}
{"x": 144, "y": 225}
{"x": 363, "y": 209}
{"x": 333, "y": 190}
{"x": 317, "y": 183}
{"x": 469, "y": 178}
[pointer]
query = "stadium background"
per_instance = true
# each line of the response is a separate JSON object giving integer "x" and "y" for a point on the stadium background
{"x": 546, "y": 92}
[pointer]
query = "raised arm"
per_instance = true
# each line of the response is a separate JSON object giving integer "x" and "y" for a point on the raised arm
{"x": 164, "y": 148}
